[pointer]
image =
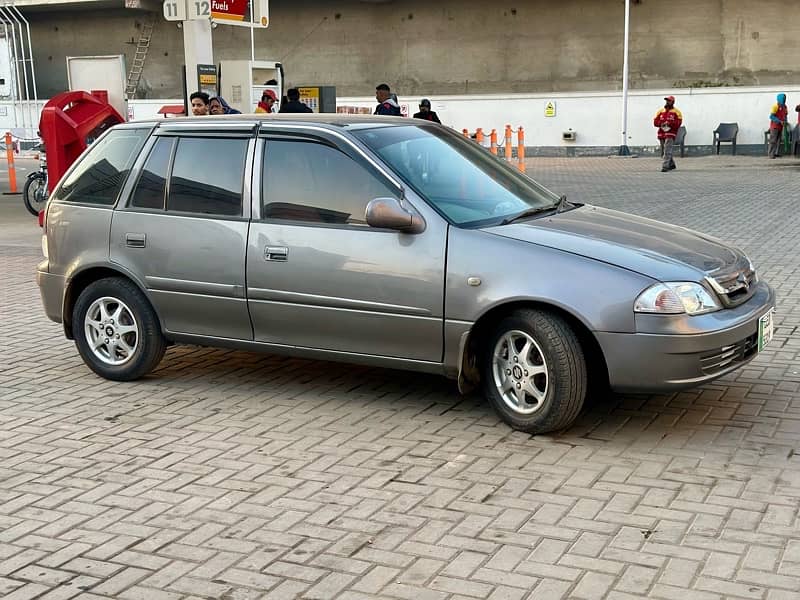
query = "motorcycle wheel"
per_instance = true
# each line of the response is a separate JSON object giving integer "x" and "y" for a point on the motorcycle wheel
{"x": 34, "y": 194}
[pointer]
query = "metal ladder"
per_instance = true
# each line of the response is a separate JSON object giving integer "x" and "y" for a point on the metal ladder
{"x": 135, "y": 74}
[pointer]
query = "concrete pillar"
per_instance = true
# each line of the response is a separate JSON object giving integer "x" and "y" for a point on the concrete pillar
{"x": 197, "y": 50}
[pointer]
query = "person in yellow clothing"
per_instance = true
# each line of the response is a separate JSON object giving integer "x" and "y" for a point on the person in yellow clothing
{"x": 268, "y": 100}
{"x": 777, "y": 121}
{"x": 668, "y": 120}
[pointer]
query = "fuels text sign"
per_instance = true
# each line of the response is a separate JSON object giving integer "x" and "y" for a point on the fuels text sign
{"x": 229, "y": 10}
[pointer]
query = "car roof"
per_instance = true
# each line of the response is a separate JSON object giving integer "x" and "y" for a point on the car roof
{"x": 328, "y": 120}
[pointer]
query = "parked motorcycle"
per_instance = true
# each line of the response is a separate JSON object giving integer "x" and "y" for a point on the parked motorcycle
{"x": 35, "y": 192}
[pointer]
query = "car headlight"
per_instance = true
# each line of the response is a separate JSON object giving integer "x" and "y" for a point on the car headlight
{"x": 676, "y": 297}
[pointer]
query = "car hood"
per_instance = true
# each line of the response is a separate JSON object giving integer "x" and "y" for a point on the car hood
{"x": 658, "y": 250}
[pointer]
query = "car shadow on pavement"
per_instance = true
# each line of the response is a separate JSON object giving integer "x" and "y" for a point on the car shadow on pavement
{"x": 320, "y": 393}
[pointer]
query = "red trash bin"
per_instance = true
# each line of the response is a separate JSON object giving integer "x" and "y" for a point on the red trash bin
{"x": 71, "y": 121}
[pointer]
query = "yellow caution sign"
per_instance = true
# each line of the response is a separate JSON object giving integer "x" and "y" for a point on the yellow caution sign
{"x": 550, "y": 109}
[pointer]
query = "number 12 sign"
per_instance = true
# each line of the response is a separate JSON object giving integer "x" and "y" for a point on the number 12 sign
{"x": 199, "y": 9}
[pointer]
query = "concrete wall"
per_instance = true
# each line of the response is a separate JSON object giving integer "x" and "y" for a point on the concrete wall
{"x": 460, "y": 46}
{"x": 594, "y": 116}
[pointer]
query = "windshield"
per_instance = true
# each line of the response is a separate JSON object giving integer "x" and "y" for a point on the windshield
{"x": 462, "y": 180}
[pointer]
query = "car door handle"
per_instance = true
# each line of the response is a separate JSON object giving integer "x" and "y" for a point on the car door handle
{"x": 135, "y": 240}
{"x": 276, "y": 253}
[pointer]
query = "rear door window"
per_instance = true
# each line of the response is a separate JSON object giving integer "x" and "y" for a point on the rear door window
{"x": 99, "y": 176}
{"x": 151, "y": 188}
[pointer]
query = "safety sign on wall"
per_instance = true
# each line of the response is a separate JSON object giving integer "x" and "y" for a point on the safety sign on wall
{"x": 310, "y": 97}
{"x": 550, "y": 109}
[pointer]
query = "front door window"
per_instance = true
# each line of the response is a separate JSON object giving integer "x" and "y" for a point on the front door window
{"x": 316, "y": 183}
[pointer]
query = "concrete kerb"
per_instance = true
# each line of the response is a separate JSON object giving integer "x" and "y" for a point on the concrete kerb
{"x": 654, "y": 150}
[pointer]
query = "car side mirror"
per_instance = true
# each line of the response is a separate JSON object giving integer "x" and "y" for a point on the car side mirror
{"x": 389, "y": 213}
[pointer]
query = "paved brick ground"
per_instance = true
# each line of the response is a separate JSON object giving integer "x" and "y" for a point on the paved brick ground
{"x": 234, "y": 476}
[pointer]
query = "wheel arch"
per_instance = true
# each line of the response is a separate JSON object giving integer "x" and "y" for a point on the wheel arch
{"x": 469, "y": 371}
{"x": 83, "y": 279}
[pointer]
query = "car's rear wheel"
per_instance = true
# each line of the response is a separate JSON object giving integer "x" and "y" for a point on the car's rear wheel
{"x": 116, "y": 330}
{"x": 534, "y": 371}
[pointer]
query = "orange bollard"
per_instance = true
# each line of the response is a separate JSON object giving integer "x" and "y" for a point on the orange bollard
{"x": 508, "y": 143}
{"x": 12, "y": 171}
{"x": 493, "y": 138}
{"x": 479, "y": 136}
{"x": 521, "y": 149}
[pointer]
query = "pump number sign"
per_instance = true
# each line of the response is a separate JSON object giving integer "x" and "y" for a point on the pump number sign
{"x": 175, "y": 10}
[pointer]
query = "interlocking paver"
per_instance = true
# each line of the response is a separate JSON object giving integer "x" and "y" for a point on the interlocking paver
{"x": 242, "y": 476}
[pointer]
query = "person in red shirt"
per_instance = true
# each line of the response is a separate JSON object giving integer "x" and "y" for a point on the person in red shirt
{"x": 668, "y": 120}
{"x": 777, "y": 121}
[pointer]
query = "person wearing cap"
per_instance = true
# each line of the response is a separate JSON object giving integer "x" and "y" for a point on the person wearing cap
{"x": 668, "y": 120}
{"x": 267, "y": 102}
{"x": 425, "y": 112}
{"x": 387, "y": 105}
{"x": 777, "y": 121}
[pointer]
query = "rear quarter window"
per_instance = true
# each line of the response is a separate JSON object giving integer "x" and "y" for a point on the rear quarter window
{"x": 98, "y": 177}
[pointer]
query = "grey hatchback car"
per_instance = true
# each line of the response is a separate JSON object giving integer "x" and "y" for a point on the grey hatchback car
{"x": 390, "y": 242}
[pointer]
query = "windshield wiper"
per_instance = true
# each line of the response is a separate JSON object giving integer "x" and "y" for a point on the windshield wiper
{"x": 562, "y": 204}
{"x": 528, "y": 212}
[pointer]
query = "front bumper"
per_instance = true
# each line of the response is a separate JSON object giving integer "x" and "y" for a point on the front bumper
{"x": 689, "y": 352}
{"x": 51, "y": 288}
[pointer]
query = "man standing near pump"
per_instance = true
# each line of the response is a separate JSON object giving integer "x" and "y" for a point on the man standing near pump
{"x": 668, "y": 120}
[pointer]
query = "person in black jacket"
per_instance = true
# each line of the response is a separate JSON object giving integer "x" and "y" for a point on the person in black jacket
{"x": 425, "y": 112}
{"x": 294, "y": 105}
{"x": 387, "y": 105}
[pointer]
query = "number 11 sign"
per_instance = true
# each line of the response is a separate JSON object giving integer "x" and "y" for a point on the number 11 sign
{"x": 175, "y": 10}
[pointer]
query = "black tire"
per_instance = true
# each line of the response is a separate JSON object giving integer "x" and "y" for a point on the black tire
{"x": 27, "y": 194}
{"x": 556, "y": 352}
{"x": 135, "y": 356}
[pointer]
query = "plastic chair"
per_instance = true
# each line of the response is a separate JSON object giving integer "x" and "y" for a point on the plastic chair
{"x": 726, "y": 132}
{"x": 680, "y": 140}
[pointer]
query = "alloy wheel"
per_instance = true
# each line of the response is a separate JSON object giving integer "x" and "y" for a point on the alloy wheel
{"x": 111, "y": 331}
{"x": 520, "y": 372}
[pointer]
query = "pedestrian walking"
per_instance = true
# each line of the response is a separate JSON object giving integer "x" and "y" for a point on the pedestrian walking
{"x": 777, "y": 121}
{"x": 668, "y": 120}
{"x": 387, "y": 105}
{"x": 293, "y": 105}
{"x": 425, "y": 111}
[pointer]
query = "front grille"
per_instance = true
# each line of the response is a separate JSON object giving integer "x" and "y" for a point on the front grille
{"x": 735, "y": 287}
{"x": 727, "y": 356}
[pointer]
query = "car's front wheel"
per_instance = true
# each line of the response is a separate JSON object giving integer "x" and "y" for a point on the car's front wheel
{"x": 534, "y": 371}
{"x": 116, "y": 330}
